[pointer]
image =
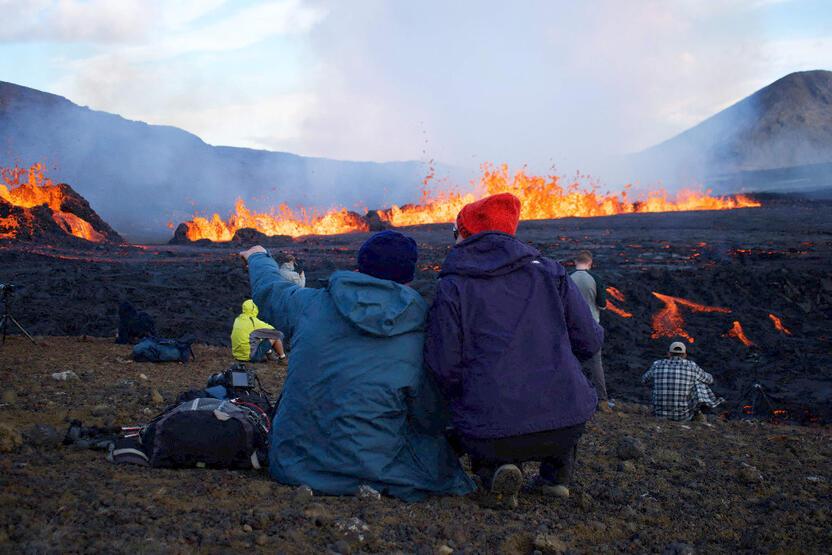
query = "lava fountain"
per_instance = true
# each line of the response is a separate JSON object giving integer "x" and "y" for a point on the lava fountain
{"x": 541, "y": 197}
{"x": 669, "y": 322}
{"x": 28, "y": 188}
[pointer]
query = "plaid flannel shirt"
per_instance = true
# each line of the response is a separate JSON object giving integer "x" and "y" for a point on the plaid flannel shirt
{"x": 679, "y": 385}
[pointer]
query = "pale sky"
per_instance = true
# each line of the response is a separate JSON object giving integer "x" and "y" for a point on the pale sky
{"x": 541, "y": 83}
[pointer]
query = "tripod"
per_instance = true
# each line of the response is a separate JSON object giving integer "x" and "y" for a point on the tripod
{"x": 7, "y": 317}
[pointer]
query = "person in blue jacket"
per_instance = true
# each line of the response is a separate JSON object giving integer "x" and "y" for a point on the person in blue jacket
{"x": 506, "y": 336}
{"x": 357, "y": 406}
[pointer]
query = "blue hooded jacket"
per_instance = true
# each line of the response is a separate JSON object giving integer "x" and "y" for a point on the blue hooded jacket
{"x": 357, "y": 406}
{"x": 505, "y": 335}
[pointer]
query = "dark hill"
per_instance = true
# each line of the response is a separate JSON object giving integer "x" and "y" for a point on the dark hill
{"x": 787, "y": 124}
{"x": 141, "y": 176}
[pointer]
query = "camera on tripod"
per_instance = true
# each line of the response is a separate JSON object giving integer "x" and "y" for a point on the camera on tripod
{"x": 7, "y": 288}
{"x": 6, "y": 318}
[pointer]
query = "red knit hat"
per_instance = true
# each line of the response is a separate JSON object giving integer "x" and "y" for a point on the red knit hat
{"x": 495, "y": 213}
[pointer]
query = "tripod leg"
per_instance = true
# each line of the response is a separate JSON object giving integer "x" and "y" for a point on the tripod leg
{"x": 3, "y": 327}
{"x": 21, "y": 328}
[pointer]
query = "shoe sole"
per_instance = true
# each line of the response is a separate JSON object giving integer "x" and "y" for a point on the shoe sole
{"x": 506, "y": 485}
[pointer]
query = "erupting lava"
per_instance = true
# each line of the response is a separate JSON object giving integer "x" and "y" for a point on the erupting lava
{"x": 737, "y": 331}
{"x": 283, "y": 221}
{"x": 542, "y": 198}
{"x": 778, "y": 325}
{"x": 619, "y": 296}
{"x": 668, "y": 322}
{"x": 29, "y": 188}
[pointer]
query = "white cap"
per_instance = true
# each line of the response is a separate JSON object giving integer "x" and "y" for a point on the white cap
{"x": 677, "y": 348}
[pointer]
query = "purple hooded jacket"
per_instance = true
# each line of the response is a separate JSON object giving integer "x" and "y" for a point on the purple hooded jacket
{"x": 505, "y": 335}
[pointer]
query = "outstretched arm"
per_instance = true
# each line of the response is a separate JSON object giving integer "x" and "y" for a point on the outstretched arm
{"x": 280, "y": 300}
{"x": 647, "y": 376}
{"x": 702, "y": 376}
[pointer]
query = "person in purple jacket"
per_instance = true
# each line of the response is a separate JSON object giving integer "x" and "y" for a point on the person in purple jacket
{"x": 506, "y": 336}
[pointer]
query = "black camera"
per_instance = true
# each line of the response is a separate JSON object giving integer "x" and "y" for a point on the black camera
{"x": 6, "y": 288}
{"x": 235, "y": 377}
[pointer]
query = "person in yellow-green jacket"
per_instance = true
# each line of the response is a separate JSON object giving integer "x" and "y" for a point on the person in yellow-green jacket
{"x": 253, "y": 340}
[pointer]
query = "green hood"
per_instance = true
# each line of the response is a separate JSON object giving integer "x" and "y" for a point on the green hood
{"x": 377, "y": 306}
{"x": 250, "y": 309}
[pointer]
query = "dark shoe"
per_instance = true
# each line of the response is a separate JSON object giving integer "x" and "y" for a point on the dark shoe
{"x": 505, "y": 485}
{"x": 283, "y": 361}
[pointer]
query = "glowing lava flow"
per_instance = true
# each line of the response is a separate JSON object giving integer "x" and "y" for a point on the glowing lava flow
{"x": 737, "y": 332}
{"x": 541, "y": 197}
{"x": 778, "y": 325}
{"x": 668, "y": 322}
{"x": 283, "y": 221}
{"x": 619, "y": 296}
{"x": 28, "y": 188}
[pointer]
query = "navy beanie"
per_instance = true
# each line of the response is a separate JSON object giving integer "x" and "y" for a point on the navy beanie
{"x": 389, "y": 255}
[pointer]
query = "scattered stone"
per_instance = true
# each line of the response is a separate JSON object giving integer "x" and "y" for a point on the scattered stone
{"x": 627, "y": 466}
{"x": 143, "y": 377}
{"x": 10, "y": 439}
{"x": 679, "y": 548}
{"x": 343, "y": 547}
{"x": 156, "y": 397}
{"x": 549, "y": 544}
{"x": 101, "y": 410}
{"x": 353, "y": 528}
{"x": 9, "y": 396}
{"x": 597, "y": 525}
{"x": 261, "y": 539}
{"x": 319, "y": 514}
{"x": 42, "y": 435}
{"x": 749, "y": 474}
{"x": 147, "y": 411}
{"x": 64, "y": 376}
{"x": 630, "y": 448}
{"x": 669, "y": 456}
{"x": 247, "y": 528}
{"x": 367, "y": 492}
{"x": 585, "y": 502}
{"x": 303, "y": 494}
{"x": 444, "y": 550}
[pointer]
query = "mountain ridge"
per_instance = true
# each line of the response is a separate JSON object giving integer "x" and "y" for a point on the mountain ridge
{"x": 162, "y": 173}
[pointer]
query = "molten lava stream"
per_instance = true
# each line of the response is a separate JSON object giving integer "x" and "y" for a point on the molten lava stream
{"x": 778, "y": 325}
{"x": 737, "y": 332}
{"x": 619, "y": 296}
{"x": 668, "y": 322}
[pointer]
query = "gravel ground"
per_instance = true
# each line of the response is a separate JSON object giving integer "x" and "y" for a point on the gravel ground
{"x": 723, "y": 486}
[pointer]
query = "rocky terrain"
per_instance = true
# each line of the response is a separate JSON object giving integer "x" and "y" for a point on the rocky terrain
{"x": 753, "y": 262}
{"x": 642, "y": 485}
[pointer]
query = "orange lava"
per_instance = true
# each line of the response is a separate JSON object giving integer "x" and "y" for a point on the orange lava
{"x": 545, "y": 198}
{"x": 778, "y": 325}
{"x": 619, "y": 296}
{"x": 27, "y": 188}
{"x": 668, "y": 322}
{"x": 737, "y": 332}
{"x": 541, "y": 197}
{"x": 283, "y": 221}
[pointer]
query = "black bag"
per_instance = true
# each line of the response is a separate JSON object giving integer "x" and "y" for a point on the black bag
{"x": 209, "y": 433}
{"x": 155, "y": 349}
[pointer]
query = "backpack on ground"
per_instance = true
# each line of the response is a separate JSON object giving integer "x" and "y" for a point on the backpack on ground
{"x": 204, "y": 433}
{"x": 155, "y": 349}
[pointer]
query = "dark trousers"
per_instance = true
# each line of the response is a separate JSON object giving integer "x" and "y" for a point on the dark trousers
{"x": 555, "y": 449}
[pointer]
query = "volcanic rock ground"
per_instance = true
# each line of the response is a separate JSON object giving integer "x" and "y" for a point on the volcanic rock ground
{"x": 727, "y": 486}
{"x": 774, "y": 259}
{"x": 694, "y": 483}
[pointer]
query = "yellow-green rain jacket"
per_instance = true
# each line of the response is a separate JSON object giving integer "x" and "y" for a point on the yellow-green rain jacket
{"x": 244, "y": 324}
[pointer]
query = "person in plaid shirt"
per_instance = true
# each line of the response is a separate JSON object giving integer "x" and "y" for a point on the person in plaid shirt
{"x": 680, "y": 386}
